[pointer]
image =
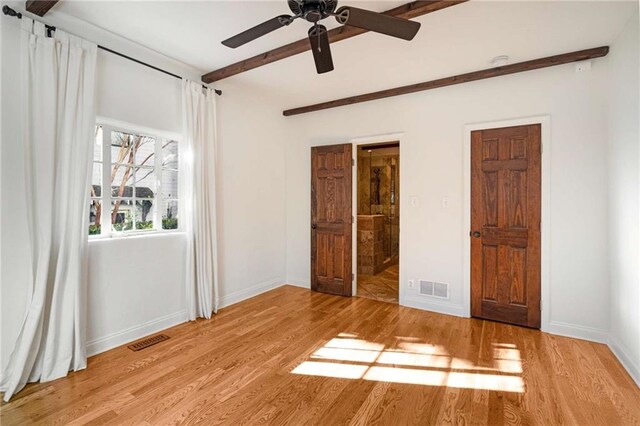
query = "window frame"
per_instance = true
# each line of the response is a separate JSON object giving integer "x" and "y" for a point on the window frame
{"x": 161, "y": 138}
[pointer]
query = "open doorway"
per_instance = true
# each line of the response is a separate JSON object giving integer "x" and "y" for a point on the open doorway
{"x": 378, "y": 224}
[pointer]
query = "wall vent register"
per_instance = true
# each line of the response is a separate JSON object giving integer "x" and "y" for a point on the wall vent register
{"x": 434, "y": 289}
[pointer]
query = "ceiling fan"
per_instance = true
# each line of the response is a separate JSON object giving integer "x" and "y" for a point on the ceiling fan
{"x": 316, "y": 10}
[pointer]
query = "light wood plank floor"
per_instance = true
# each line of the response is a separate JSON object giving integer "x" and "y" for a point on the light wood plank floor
{"x": 291, "y": 356}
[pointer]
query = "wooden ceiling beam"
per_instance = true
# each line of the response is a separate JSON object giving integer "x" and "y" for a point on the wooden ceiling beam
{"x": 406, "y": 11}
{"x": 535, "y": 64}
{"x": 40, "y": 7}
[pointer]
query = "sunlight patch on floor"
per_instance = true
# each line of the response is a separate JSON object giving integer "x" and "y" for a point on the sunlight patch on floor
{"x": 346, "y": 354}
{"x": 331, "y": 369}
{"x": 374, "y": 361}
{"x": 507, "y": 359}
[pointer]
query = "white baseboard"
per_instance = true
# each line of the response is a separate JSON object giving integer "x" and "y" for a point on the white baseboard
{"x": 434, "y": 306}
{"x": 620, "y": 351}
{"x": 577, "y": 331}
{"x": 299, "y": 283}
{"x": 130, "y": 334}
{"x": 239, "y": 296}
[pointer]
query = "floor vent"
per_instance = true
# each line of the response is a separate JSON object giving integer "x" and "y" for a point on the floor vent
{"x": 142, "y": 344}
{"x": 434, "y": 289}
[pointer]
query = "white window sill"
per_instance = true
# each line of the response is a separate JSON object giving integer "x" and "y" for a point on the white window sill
{"x": 134, "y": 235}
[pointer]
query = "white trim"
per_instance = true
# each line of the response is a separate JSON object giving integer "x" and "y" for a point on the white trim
{"x": 254, "y": 290}
{"x": 386, "y": 137}
{"x": 109, "y": 126}
{"x": 126, "y": 127}
{"x": 436, "y": 306}
{"x": 577, "y": 331}
{"x": 622, "y": 354}
{"x": 136, "y": 332}
{"x": 302, "y": 283}
{"x": 134, "y": 235}
{"x": 545, "y": 135}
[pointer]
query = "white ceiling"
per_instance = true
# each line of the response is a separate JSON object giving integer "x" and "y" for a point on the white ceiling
{"x": 458, "y": 39}
{"x": 191, "y": 31}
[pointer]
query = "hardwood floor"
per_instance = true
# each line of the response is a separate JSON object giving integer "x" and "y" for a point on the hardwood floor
{"x": 291, "y": 356}
{"x": 383, "y": 286}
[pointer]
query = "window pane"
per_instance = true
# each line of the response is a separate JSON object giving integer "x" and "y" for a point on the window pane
{"x": 144, "y": 214}
{"x": 145, "y": 151}
{"x": 121, "y": 147}
{"x": 95, "y": 210}
{"x": 96, "y": 181}
{"x": 170, "y": 155}
{"x": 122, "y": 182}
{"x": 97, "y": 145}
{"x": 169, "y": 214}
{"x": 122, "y": 215}
{"x": 170, "y": 183}
{"x": 145, "y": 183}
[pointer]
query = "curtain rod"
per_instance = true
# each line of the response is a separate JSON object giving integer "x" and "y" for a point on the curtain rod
{"x": 10, "y": 12}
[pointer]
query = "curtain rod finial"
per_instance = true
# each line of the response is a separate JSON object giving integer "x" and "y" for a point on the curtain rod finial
{"x": 10, "y": 12}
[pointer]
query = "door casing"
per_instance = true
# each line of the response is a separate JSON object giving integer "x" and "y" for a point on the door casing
{"x": 545, "y": 134}
{"x": 368, "y": 140}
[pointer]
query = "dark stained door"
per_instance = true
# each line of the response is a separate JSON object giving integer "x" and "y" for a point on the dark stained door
{"x": 505, "y": 224}
{"x": 331, "y": 219}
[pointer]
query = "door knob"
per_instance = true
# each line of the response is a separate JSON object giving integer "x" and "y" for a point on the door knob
{"x": 476, "y": 234}
{"x": 314, "y": 226}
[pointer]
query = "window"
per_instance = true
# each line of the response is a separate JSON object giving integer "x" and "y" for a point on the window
{"x": 136, "y": 176}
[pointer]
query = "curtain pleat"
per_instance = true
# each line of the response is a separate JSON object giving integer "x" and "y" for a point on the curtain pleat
{"x": 58, "y": 117}
{"x": 199, "y": 172}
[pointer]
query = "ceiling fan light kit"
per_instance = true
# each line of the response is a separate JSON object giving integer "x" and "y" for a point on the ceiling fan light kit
{"x": 314, "y": 11}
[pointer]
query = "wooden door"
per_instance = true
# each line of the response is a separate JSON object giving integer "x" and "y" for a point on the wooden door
{"x": 331, "y": 219}
{"x": 505, "y": 224}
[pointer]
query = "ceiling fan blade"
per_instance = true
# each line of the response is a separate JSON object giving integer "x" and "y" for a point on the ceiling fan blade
{"x": 320, "y": 47}
{"x": 258, "y": 31}
{"x": 378, "y": 22}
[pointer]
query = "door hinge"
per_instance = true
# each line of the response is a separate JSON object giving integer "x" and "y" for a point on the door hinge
{"x": 353, "y": 162}
{"x": 353, "y": 219}
{"x": 353, "y": 276}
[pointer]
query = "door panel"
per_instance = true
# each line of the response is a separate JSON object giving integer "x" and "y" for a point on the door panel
{"x": 505, "y": 224}
{"x": 331, "y": 224}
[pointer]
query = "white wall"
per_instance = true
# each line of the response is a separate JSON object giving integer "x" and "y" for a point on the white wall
{"x": 136, "y": 283}
{"x": 624, "y": 194}
{"x": 252, "y": 216}
{"x": 431, "y": 156}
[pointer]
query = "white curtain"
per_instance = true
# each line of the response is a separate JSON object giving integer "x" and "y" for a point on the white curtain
{"x": 58, "y": 118}
{"x": 199, "y": 172}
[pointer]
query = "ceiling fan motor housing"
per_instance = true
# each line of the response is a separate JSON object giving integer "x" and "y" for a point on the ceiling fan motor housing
{"x": 313, "y": 10}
